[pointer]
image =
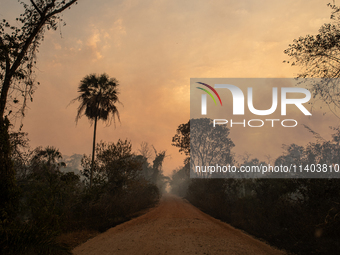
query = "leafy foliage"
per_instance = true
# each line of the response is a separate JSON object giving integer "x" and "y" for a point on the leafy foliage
{"x": 119, "y": 186}
{"x": 209, "y": 144}
{"x": 18, "y": 49}
{"x": 182, "y": 138}
{"x": 298, "y": 215}
{"x": 52, "y": 202}
{"x": 19, "y": 46}
{"x": 98, "y": 98}
{"x": 319, "y": 57}
{"x": 8, "y": 187}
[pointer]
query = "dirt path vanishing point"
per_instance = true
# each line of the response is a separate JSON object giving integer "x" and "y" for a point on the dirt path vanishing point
{"x": 174, "y": 227}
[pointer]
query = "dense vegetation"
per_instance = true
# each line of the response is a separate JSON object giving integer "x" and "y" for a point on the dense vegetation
{"x": 298, "y": 215}
{"x": 51, "y": 201}
{"x": 39, "y": 201}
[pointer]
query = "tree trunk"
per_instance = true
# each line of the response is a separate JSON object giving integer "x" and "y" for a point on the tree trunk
{"x": 93, "y": 150}
{"x": 8, "y": 188}
{"x": 45, "y": 15}
{"x": 4, "y": 93}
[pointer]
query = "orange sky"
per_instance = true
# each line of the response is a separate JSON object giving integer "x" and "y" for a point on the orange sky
{"x": 153, "y": 48}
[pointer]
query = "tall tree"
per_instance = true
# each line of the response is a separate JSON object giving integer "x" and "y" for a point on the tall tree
{"x": 19, "y": 46}
{"x": 182, "y": 138}
{"x": 98, "y": 98}
{"x": 319, "y": 57}
{"x": 209, "y": 145}
{"x": 203, "y": 143}
{"x": 50, "y": 156}
{"x": 18, "y": 49}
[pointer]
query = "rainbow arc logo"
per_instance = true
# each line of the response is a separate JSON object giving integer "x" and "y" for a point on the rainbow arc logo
{"x": 212, "y": 89}
{"x": 204, "y": 97}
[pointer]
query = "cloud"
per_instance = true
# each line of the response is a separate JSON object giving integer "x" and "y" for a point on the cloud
{"x": 93, "y": 42}
{"x": 117, "y": 32}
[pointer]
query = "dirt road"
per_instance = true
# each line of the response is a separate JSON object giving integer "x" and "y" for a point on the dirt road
{"x": 174, "y": 227}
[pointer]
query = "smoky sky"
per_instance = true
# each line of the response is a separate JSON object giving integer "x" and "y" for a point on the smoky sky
{"x": 153, "y": 48}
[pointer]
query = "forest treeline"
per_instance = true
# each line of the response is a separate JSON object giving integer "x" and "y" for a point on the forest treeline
{"x": 50, "y": 201}
{"x": 299, "y": 215}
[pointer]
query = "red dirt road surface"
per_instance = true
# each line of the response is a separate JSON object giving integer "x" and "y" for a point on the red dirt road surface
{"x": 174, "y": 227}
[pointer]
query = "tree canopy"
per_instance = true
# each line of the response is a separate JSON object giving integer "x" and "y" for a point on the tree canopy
{"x": 19, "y": 46}
{"x": 319, "y": 57}
{"x": 98, "y": 96}
{"x": 18, "y": 49}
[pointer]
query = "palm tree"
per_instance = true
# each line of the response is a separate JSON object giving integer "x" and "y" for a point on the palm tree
{"x": 98, "y": 95}
{"x": 51, "y": 156}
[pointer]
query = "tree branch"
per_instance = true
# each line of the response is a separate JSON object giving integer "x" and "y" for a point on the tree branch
{"x": 37, "y": 30}
{"x": 11, "y": 69}
{"x": 27, "y": 44}
{"x": 36, "y": 7}
{"x": 61, "y": 8}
